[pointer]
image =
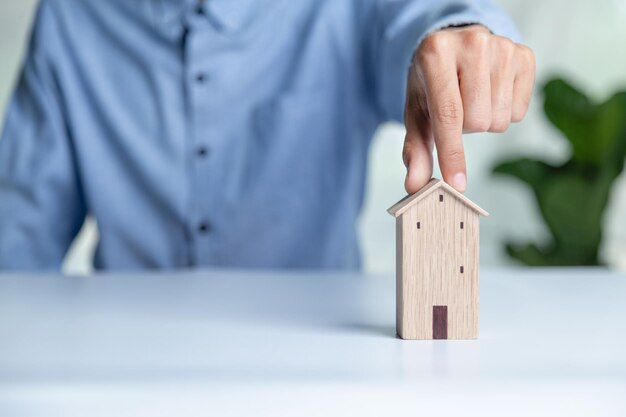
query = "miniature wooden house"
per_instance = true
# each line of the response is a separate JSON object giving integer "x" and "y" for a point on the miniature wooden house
{"x": 437, "y": 264}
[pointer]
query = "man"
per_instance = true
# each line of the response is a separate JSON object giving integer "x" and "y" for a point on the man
{"x": 235, "y": 132}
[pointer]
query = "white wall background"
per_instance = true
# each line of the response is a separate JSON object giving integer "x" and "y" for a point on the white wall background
{"x": 584, "y": 40}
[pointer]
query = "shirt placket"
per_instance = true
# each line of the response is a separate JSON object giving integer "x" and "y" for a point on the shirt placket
{"x": 199, "y": 79}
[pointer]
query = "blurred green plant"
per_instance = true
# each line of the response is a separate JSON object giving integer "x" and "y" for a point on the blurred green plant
{"x": 573, "y": 196}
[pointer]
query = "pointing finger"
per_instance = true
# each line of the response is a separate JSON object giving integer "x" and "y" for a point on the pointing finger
{"x": 445, "y": 109}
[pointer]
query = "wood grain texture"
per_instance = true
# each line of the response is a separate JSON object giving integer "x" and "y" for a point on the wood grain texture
{"x": 437, "y": 265}
{"x": 399, "y": 278}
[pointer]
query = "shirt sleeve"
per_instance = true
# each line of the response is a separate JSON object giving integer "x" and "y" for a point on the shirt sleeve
{"x": 41, "y": 205}
{"x": 398, "y": 27}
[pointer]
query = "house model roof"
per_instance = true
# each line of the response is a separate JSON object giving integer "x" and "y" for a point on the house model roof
{"x": 434, "y": 184}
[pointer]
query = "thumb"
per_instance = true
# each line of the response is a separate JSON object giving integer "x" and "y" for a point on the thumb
{"x": 418, "y": 159}
{"x": 417, "y": 152}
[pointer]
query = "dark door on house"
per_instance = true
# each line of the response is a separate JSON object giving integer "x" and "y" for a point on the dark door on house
{"x": 440, "y": 322}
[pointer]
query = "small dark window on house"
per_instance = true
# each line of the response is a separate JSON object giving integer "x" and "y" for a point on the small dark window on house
{"x": 461, "y": 269}
{"x": 461, "y": 225}
{"x": 440, "y": 198}
{"x": 419, "y": 226}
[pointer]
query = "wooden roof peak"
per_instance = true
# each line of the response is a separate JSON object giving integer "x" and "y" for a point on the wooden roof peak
{"x": 434, "y": 184}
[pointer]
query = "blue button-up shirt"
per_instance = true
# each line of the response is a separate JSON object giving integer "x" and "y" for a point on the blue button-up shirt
{"x": 228, "y": 132}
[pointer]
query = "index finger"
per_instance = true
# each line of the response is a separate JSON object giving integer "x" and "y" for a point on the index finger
{"x": 445, "y": 109}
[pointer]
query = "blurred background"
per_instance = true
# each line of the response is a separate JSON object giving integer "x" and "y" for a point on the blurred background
{"x": 582, "y": 41}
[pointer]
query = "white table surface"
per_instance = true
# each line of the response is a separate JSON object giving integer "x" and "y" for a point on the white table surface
{"x": 221, "y": 343}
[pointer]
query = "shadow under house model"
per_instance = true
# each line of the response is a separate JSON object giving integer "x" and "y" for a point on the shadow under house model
{"x": 437, "y": 264}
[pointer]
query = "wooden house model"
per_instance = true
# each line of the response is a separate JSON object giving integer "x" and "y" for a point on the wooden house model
{"x": 437, "y": 264}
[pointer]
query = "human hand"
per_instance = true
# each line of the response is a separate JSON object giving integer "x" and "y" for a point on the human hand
{"x": 462, "y": 80}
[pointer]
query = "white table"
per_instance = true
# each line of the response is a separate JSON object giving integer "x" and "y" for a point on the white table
{"x": 221, "y": 343}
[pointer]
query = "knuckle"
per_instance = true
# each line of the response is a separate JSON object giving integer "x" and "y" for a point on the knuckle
{"x": 477, "y": 124}
{"x": 502, "y": 107}
{"x": 507, "y": 50}
{"x": 519, "y": 112}
{"x": 517, "y": 116}
{"x": 449, "y": 112}
{"x": 499, "y": 125}
{"x": 434, "y": 44}
{"x": 424, "y": 57}
{"x": 527, "y": 53}
{"x": 477, "y": 40}
{"x": 454, "y": 156}
{"x": 528, "y": 58}
{"x": 506, "y": 43}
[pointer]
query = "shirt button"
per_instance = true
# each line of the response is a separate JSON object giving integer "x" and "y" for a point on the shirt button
{"x": 199, "y": 10}
{"x": 201, "y": 77}
{"x": 203, "y": 227}
{"x": 202, "y": 151}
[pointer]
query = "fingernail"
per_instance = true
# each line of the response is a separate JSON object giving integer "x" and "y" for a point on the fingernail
{"x": 459, "y": 181}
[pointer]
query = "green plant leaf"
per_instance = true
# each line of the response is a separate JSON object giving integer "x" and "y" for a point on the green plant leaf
{"x": 530, "y": 254}
{"x": 572, "y": 206}
{"x": 530, "y": 171}
{"x": 572, "y": 113}
{"x": 610, "y": 130}
{"x": 572, "y": 197}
